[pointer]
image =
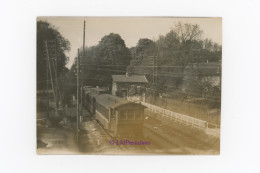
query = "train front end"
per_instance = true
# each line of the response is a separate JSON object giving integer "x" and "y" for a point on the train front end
{"x": 121, "y": 118}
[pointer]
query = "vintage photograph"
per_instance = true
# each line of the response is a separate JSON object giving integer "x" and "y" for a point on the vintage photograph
{"x": 128, "y": 85}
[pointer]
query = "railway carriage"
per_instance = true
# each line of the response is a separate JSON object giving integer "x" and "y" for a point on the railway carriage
{"x": 118, "y": 116}
{"x": 89, "y": 97}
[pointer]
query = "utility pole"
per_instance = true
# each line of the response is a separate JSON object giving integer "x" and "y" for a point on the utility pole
{"x": 78, "y": 97}
{"x": 82, "y": 70}
{"x": 48, "y": 59}
{"x": 56, "y": 64}
{"x": 154, "y": 73}
{"x": 155, "y": 87}
{"x": 47, "y": 88}
{"x": 156, "y": 67}
{"x": 153, "y": 68}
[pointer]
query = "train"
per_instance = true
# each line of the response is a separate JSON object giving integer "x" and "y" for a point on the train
{"x": 119, "y": 117}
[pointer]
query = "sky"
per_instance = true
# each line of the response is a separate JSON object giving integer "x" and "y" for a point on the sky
{"x": 131, "y": 29}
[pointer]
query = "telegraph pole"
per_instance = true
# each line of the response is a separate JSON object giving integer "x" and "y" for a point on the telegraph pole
{"x": 154, "y": 73}
{"x": 78, "y": 97}
{"x": 153, "y": 69}
{"x": 48, "y": 59}
{"x": 47, "y": 87}
{"x": 56, "y": 64}
{"x": 82, "y": 70}
{"x": 155, "y": 87}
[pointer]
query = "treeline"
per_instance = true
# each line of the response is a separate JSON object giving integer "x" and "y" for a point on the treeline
{"x": 182, "y": 45}
{"x": 174, "y": 55}
{"x": 171, "y": 53}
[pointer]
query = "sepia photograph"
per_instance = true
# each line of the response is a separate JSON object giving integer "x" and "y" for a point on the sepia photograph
{"x": 128, "y": 85}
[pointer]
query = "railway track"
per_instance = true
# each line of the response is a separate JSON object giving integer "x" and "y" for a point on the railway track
{"x": 176, "y": 133}
{"x": 162, "y": 143}
{"x": 160, "y": 140}
{"x": 106, "y": 138}
{"x": 190, "y": 139}
{"x": 166, "y": 137}
{"x": 122, "y": 148}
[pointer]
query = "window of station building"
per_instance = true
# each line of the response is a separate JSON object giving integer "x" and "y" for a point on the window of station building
{"x": 123, "y": 115}
{"x": 130, "y": 115}
{"x": 138, "y": 114}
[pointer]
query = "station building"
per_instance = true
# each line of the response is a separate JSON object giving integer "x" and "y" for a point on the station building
{"x": 131, "y": 87}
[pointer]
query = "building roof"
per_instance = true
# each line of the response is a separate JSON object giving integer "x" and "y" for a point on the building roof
{"x": 130, "y": 79}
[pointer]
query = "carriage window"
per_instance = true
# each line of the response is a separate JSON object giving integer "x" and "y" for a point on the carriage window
{"x": 130, "y": 115}
{"x": 138, "y": 114}
{"x": 123, "y": 115}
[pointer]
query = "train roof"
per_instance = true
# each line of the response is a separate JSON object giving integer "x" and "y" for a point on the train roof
{"x": 92, "y": 94}
{"x": 100, "y": 89}
{"x": 130, "y": 79}
{"x": 111, "y": 101}
{"x": 89, "y": 89}
{"x": 95, "y": 88}
{"x": 85, "y": 87}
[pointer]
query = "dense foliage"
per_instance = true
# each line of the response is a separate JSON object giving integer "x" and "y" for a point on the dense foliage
{"x": 55, "y": 41}
{"x": 171, "y": 54}
{"x": 110, "y": 56}
{"x": 100, "y": 62}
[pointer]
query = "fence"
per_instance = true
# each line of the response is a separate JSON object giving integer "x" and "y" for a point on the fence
{"x": 194, "y": 122}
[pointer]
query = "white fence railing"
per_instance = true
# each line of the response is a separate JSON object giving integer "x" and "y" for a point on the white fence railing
{"x": 179, "y": 117}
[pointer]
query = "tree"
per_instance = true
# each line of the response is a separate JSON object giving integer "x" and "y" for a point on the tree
{"x": 144, "y": 46}
{"x": 109, "y": 57}
{"x": 211, "y": 46}
{"x": 161, "y": 43}
{"x": 112, "y": 50}
{"x": 181, "y": 46}
{"x": 47, "y": 32}
{"x": 187, "y": 32}
{"x": 171, "y": 40}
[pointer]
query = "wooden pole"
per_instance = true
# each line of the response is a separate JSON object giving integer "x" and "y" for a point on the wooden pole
{"x": 48, "y": 59}
{"x": 82, "y": 70}
{"x": 78, "y": 97}
{"x": 56, "y": 64}
{"x": 47, "y": 86}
